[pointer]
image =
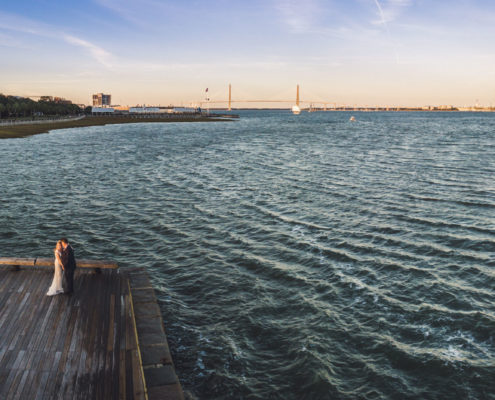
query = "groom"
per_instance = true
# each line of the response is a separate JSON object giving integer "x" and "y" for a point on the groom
{"x": 68, "y": 265}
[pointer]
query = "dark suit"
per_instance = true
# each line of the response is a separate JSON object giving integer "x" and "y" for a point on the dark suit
{"x": 69, "y": 263}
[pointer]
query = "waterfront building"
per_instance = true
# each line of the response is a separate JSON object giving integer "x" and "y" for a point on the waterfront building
{"x": 102, "y": 110}
{"x": 186, "y": 110}
{"x": 150, "y": 110}
{"x": 119, "y": 108}
{"x": 101, "y": 99}
{"x": 144, "y": 110}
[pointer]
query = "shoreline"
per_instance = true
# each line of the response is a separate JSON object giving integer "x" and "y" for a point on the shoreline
{"x": 25, "y": 130}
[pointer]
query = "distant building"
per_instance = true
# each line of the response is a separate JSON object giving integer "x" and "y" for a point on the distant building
{"x": 100, "y": 99}
{"x": 150, "y": 110}
{"x": 46, "y": 98}
{"x": 186, "y": 110}
{"x": 144, "y": 110}
{"x": 102, "y": 110}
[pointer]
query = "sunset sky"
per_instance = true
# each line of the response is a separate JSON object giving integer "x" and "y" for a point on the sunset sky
{"x": 364, "y": 52}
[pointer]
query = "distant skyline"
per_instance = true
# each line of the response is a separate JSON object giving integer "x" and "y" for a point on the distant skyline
{"x": 363, "y": 52}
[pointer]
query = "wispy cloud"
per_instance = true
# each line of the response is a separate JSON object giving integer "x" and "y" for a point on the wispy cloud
{"x": 124, "y": 9}
{"x": 118, "y": 64}
{"x": 382, "y": 15}
{"x": 329, "y": 19}
{"x": 145, "y": 14}
{"x": 299, "y": 16}
{"x": 388, "y": 13}
{"x": 130, "y": 66}
{"x": 15, "y": 23}
{"x": 99, "y": 54}
{"x": 11, "y": 41}
{"x": 390, "y": 10}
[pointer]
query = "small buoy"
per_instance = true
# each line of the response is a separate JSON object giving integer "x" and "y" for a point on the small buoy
{"x": 352, "y": 118}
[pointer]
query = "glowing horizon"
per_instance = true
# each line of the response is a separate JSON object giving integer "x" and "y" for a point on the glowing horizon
{"x": 361, "y": 52}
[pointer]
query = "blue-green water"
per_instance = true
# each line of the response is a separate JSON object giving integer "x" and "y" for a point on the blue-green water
{"x": 294, "y": 257}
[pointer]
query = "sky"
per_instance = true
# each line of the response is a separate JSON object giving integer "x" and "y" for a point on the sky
{"x": 160, "y": 52}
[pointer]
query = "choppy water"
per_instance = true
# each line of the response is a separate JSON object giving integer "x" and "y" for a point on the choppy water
{"x": 294, "y": 257}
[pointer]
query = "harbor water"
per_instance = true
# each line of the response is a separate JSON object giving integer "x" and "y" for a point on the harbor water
{"x": 294, "y": 257}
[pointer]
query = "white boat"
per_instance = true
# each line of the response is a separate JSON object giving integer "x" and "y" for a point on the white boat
{"x": 352, "y": 118}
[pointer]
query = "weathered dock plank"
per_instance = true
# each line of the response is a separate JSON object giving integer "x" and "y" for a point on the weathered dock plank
{"x": 105, "y": 341}
{"x": 69, "y": 347}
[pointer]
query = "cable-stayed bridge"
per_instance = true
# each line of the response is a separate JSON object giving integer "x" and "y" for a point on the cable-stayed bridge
{"x": 283, "y": 102}
{"x": 320, "y": 105}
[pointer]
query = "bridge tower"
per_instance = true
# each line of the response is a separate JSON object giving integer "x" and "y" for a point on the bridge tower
{"x": 230, "y": 97}
{"x": 297, "y": 96}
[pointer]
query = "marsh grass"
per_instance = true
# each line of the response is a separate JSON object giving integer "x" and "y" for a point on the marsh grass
{"x": 19, "y": 131}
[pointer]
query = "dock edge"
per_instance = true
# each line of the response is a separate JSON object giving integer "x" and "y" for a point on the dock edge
{"x": 158, "y": 369}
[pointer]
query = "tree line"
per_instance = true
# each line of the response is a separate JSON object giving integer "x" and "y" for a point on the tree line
{"x": 18, "y": 107}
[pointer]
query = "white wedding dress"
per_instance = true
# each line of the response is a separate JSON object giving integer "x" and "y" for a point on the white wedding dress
{"x": 56, "y": 287}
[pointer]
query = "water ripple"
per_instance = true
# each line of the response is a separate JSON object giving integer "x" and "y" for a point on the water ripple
{"x": 293, "y": 257}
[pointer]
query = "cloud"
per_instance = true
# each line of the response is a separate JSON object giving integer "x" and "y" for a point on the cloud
{"x": 99, "y": 54}
{"x": 299, "y": 16}
{"x": 144, "y": 14}
{"x": 125, "y": 10}
{"x": 11, "y": 41}
{"x": 329, "y": 19}
{"x": 16, "y": 23}
{"x": 390, "y": 10}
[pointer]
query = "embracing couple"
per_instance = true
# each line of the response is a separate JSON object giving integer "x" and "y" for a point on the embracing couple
{"x": 65, "y": 265}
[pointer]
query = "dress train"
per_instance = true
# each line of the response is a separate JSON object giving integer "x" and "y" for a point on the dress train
{"x": 56, "y": 286}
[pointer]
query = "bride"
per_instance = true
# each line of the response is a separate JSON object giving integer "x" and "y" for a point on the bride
{"x": 56, "y": 286}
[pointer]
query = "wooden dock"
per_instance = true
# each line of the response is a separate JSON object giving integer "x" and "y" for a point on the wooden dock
{"x": 105, "y": 341}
